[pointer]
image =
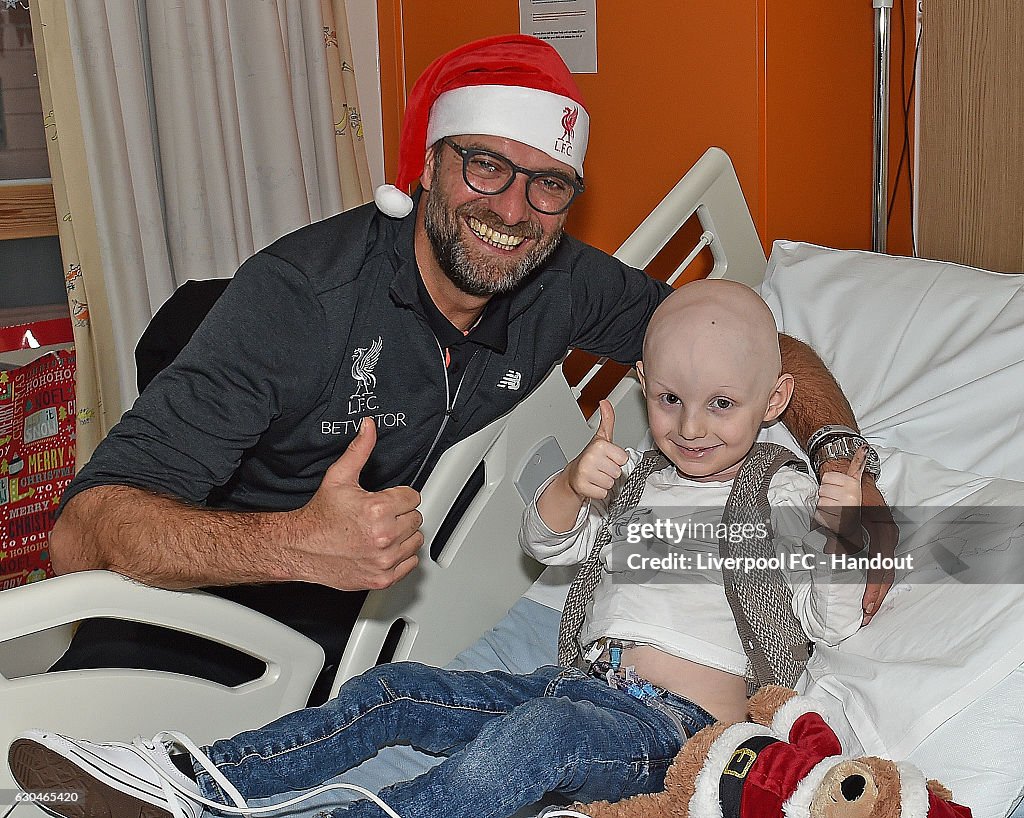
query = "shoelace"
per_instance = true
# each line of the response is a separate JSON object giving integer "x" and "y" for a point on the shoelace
{"x": 173, "y": 789}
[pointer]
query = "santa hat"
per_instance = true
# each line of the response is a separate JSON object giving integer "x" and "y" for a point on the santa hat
{"x": 512, "y": 86}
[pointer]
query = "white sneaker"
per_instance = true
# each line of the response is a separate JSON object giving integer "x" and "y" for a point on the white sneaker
{"x": 110, "y": 779}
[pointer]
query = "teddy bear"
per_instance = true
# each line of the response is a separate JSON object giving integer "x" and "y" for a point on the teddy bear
{"x": 785, "y": 762}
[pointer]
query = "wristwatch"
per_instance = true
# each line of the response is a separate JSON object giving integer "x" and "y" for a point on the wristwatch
{"x": 825, "y": 432}
{"x": 840, "y": 443}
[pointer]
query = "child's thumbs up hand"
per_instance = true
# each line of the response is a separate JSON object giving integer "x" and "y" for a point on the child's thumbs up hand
{"x": 594, "y": 472}
{"x": 839, "y": 502}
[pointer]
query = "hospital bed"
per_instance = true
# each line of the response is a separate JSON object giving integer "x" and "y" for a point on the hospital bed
{"x": 925, "y": 351}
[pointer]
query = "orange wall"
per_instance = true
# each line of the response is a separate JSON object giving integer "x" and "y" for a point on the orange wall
{"x": 784, "y": 86}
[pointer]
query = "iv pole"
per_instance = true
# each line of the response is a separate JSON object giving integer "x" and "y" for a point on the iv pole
{"x": 880, "y": 199}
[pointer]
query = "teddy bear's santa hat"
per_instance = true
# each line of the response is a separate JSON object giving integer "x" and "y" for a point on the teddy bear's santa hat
{"x": 917, "y": 801}
{"x": 752, "y": 771}
{"x": 512, "y": 86}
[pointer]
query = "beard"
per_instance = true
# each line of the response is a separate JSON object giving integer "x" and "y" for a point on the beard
{"x": 480, "y": 273}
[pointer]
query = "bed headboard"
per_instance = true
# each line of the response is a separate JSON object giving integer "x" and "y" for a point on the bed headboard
{"x": 710, "y": 190}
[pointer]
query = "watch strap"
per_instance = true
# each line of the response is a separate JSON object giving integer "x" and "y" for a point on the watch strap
{"x": 827, "y": 431}
{"x": 844, "y": 447}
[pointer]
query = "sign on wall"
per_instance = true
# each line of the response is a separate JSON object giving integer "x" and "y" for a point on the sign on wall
{"x": 570, "y": 26}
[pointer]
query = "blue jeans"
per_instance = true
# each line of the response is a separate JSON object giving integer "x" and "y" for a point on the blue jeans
{"x": 524, "y": 640}
{"x": 508, "y": 740}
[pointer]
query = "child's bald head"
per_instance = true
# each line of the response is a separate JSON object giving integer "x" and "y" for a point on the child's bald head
{"x": 723, "y": 322}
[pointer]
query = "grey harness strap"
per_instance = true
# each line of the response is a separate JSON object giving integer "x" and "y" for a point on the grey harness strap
{"x": 581, "y": 592}
{"x": 761, "y": 600}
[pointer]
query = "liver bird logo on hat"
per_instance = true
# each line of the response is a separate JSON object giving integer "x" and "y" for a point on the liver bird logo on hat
{"x": 569, "y": 122}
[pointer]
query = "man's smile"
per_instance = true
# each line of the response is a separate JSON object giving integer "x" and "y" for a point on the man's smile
{"x": 495, "y": 238}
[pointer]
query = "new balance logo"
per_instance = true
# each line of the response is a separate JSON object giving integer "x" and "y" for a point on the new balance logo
{"x": 511, "y": 380}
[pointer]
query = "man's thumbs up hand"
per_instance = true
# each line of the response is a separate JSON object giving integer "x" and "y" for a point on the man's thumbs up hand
{"x": 362, "y": 539}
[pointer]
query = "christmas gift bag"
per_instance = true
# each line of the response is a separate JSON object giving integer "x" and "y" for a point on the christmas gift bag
{"x": 37, "y": 461}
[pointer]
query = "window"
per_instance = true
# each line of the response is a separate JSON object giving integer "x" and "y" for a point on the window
{"x": 31, "y": 277}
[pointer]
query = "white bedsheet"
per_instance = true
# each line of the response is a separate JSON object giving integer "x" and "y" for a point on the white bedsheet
{"x": 948, "y": 631}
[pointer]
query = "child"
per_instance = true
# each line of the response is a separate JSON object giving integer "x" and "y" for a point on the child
{"x": 711, "y": 376}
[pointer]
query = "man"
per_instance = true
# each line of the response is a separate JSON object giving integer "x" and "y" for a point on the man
{"x": 288, "y": 441}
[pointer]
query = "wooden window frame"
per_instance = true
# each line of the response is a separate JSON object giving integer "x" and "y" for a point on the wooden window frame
{"x": 27, "y": 209}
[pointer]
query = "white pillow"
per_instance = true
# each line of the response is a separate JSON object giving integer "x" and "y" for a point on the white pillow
{"x": 930, "y": 354}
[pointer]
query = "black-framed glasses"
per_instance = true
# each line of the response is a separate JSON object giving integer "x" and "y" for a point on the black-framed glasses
{"x": 490, "y": 173}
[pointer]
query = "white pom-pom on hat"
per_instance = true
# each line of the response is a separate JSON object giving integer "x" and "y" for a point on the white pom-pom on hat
{"x": 392, "y": 202}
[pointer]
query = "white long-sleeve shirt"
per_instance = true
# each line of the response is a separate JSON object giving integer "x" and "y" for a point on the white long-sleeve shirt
{"x": 679, "y": 604}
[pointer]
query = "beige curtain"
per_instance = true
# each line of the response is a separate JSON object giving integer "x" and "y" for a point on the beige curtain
{"x": 348, "y": 123}
{"x": 184, "y": 137}
{"x": 78, "y": 239}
